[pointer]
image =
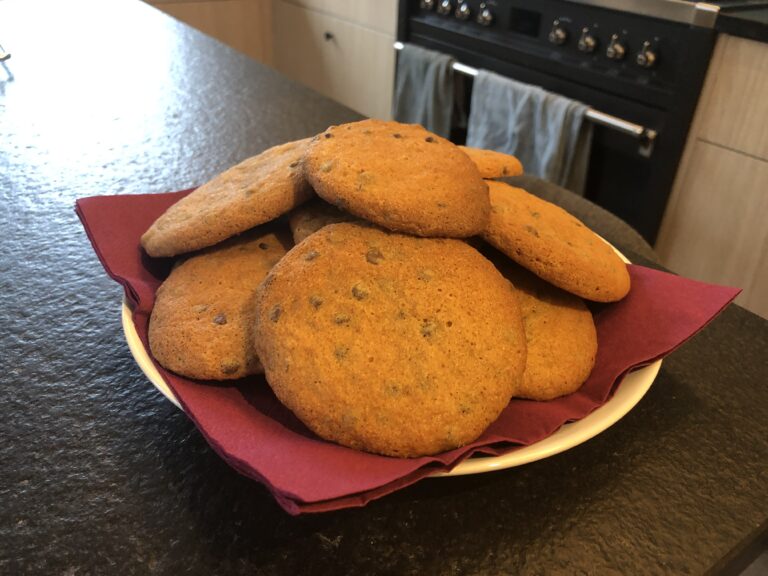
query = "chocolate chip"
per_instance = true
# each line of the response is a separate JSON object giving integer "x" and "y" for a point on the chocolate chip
{"x": 341, "y": 352}
{"x": 392, "y": 389}
{"x": 532, "y": 230}
{"x": 316, "y": 301}
{"x": 230, "y": 367}
{"x": 428, "y": 327}
{"x": 328, "y": 135}
{"x": 341, "y": 319}
{"x": 374, "y": 255}
{"x": 429, "y": 139}
{"x": 263, "y": 245}
{"x": 442, "y": 205}
{"x": 504, "y": 171}
{"x": 396, "y": 135}
{"x": 220, "y": 318}
{"x": 311, "y": 255}
{"x": 274, "y": 314}
{"x": 363, "y": 179}
{"x": 425, "y": 275}
{"x": 359, "y": 292}
{"x": 536, "y": 214}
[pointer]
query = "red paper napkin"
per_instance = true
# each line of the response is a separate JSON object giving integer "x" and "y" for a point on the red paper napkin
{"x": 256, "y": 435}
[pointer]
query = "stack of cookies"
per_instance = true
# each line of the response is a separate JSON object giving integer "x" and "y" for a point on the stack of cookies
{"x": 395, "y": 296}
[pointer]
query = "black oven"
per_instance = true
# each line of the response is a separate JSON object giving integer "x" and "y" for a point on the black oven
{"x": 639, "y": 65}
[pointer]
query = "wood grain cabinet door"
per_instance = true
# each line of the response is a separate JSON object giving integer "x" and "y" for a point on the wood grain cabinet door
{"x": 242, "y": 24}
{"x": 714, "y": 228}
{"x": 342, "y": 59}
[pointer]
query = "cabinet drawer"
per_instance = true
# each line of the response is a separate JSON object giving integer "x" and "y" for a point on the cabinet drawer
{"x": 380, "y": 15}
{"x": 346, "y": 62}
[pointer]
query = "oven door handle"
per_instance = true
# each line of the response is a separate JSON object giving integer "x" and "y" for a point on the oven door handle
{"x": 646, "y": 136}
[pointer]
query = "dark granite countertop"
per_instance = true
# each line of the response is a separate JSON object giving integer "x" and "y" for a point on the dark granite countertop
{"x": 751, "y": 23}
{"x": 99, "y": 474}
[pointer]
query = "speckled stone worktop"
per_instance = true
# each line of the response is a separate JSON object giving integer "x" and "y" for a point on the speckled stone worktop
{"x": 744, "y": 21}
{"x": 99, "y": 474}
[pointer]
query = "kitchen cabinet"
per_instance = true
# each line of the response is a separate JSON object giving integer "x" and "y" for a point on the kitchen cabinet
{"x": 714, "y": 226}
{"x": 245, "y": 25}
{"x": 341, "y": 48}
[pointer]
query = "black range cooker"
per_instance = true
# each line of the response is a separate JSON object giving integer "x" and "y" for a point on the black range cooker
{"x": 639, "y": 65}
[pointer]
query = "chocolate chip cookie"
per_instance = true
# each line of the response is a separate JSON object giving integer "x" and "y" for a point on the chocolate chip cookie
{"x": 202, "y": 321}
{"x": 492, "y": 164}
{"x": 399, "y": 176}
{"x": 389, "y": 343}
{"x": 554, "y": 245}
{"x": 559, "y": 330}
{"x": 253, "y": 192}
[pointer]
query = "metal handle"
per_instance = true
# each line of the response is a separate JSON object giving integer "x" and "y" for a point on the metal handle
{"x": 647, "y": 136}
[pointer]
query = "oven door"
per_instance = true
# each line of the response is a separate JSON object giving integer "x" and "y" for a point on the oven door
{"x": 625, "y": 176}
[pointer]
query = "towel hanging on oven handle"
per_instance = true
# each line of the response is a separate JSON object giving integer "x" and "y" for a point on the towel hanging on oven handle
{"x": 646, "y": 136}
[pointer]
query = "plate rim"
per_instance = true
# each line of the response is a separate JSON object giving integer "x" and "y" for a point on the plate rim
{"x": 141, "y": 356}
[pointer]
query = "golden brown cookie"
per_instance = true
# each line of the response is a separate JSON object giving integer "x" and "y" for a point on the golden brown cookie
{"x": 399, "y": 176}
{"x": 554, "y": 245}
{"x": 560, "y": 334}
{"x": 313, "y": 215}
{"x": 202, "y": 321}
{"x": 492, "y": 164}
{"x": 253, "y": 192}
{"x": 390, "y": 343}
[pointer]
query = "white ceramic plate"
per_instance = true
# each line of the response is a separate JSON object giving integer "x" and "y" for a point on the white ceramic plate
{"x": 628, "y": 393}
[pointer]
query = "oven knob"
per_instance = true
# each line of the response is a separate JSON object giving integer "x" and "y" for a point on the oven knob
{"x": 558, "y": 35}
{"x": 647, "y": 57}
{"x": 462, "y": 11}
{"x": 616, "y": 50}
{"x": 427, "y": 4}
{"x": 587, "y": 42}
{"x": 445, "y": 7}
{"x": 485, "y": 16}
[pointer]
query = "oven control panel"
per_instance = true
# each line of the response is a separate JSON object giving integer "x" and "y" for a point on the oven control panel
{"x": 602, "y": 40}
